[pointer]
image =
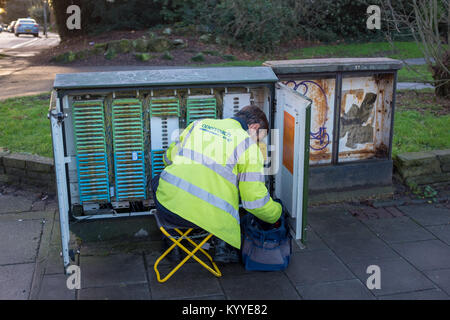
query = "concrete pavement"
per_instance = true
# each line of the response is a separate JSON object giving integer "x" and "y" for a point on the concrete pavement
{"x": 410, "y": 244}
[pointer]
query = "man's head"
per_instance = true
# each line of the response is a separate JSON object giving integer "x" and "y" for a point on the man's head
{"x": 256, "y": 121}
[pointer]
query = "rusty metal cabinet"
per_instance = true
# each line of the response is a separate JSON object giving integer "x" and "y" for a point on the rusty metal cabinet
{"x": 353, "y": 104}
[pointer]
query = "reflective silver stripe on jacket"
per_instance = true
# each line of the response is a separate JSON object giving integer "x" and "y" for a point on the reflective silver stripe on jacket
{"x": 256, "y": 203}
{"x": 225, "y": 171}
{"x": 189, "y": 133}
{"x": 238, "y": 151}
{"x": 200, "y": 193}
{"x": 178, "y": 143}
{"x": 251, "y": 177}
{"x": 166, "y": 159}
{"x": 210, "y": 163}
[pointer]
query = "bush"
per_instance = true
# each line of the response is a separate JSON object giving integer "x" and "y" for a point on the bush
{"x": 259, "y": 25}
{"x": 262, "y": 25}
{"x": 103, "y": 16}
{"x": 167, "y": 56}
{"x": 199, "y": 57}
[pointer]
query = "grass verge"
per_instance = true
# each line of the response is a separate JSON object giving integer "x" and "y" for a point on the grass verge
{"x": 24, "y": 126}
{"x": 415, "y": 73}
{"x": 400, "y": 50}
{"x": 421, "y": 122}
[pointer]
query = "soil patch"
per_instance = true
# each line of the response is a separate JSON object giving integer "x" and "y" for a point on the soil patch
{"x": 422, "y": 102}
{"x": 213, "y": 52}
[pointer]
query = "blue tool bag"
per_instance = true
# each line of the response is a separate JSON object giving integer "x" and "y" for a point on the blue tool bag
{"x": 265, "y": 250}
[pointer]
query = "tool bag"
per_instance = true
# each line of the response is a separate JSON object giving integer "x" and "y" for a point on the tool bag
{"x": 265, "y": 250}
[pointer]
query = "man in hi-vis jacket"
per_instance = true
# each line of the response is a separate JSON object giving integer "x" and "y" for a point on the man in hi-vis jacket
{"x": 212, "y": 167}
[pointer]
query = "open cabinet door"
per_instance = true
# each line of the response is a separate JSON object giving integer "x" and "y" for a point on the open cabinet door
{"x": 292, "y": 119}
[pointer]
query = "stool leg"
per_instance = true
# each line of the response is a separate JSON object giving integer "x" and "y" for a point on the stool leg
{"x": 190, "y": 254}
{"x": 176, "y": 243}
{"x": 216, "y": 270}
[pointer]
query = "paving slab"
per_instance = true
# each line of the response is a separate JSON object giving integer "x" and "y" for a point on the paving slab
{"x": 54, "y": 287}
{"x": 121, "y": 292}
{"x": 190, "y": 281}
{"x": 51, "y": 205}
{"x": 313, "y": 242}
{"x": 341, "y": 226}
{"x": 326, "y": 212}
{"x": 428, "y": 215}
{"x": 54, "y": 261}
{"x": 310, "y": 267}
{"x": 339, "y": 290}
{"x": 55, "y": 239}
{"x": 119, "y": 269}
{"x": 28, "y": 215}
{"x": 400, "y": 229}
{"x": 216, "y": 297}
{"x": 442, "y": 232}
{"x": 425, "y": 255}
{"x": 259, "y": 286}
{"x": 13, "y": 203}
{"x": 19, "y": 241}
{"x": 15, "y": 281}
{"x": 38, "y": 205}
{"x": 351, "y": 250}
{"x": 433, "y": 294}
{"x": 441, "y": 278}
{"x": 232, "y": 269}
{"x": 397, "y": 276}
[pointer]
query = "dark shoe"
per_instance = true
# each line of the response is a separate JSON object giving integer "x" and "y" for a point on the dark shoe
{"x": 225, "y": 253}
{"x": 174, "y": 255}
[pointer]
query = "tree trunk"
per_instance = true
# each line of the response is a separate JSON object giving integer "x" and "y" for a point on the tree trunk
{"x": 61, "y": 15}
{"x": 442, "y": 77}
{"x": 448, "y": 24}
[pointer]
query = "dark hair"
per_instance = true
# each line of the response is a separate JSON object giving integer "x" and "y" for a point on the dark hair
{"x": 252, "y": 114}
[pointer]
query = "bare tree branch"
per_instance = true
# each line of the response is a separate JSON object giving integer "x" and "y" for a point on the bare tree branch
{"x": 422, "y": 19}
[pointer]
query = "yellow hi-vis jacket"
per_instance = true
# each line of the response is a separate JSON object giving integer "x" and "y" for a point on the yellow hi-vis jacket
{"x": 212, "y": 164}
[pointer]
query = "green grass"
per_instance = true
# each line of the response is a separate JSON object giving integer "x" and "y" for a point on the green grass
{"x": 401, "y": 50}
{"x": 415, "y": 73}
{"x": 421, "y": 122}
{"x": 415, "y": 131}
{"x": 240, "y": 63}
{"x": 24, "y": 126}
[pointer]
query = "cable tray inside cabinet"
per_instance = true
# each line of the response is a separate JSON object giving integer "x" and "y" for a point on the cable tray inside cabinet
{"x": 200, "y": 107}
{"x": 164, "y": 122}
{"x": 128, "y": 142}
{"x": 92, "y": 166}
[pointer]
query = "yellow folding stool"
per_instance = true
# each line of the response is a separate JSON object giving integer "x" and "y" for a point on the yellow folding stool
{"x": 163, "y": 225}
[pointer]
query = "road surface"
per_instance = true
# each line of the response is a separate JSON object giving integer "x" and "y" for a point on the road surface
{"x": 17, "y": 77}
{"x": 25, "y": 45}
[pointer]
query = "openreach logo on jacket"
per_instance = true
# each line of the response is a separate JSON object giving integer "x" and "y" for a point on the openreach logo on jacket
{"x": 219, "y": 142}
